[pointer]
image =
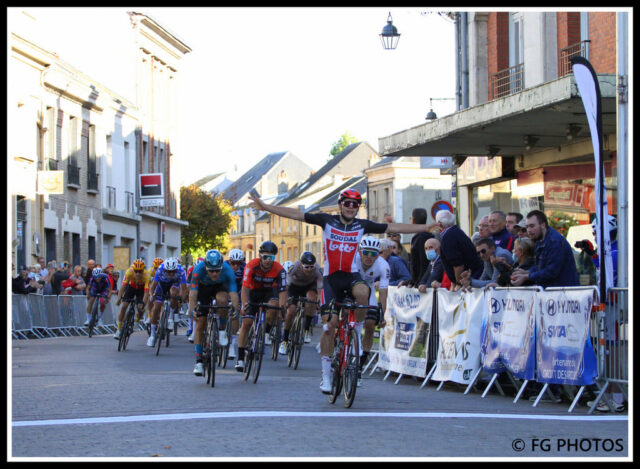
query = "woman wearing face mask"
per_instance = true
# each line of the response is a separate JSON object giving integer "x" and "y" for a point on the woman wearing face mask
{"x": 434, "y": 277}
{"x": 523, "y": 250}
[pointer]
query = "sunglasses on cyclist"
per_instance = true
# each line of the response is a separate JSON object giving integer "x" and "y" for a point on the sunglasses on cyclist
{"x": 268, "y": 257}
{"x": 308, "y": 267}
{"x": 213, "y": 271}
{"x": 138, "y": 271}
{"x": 235, "y": 262}
{"x": 350, "y": 204}
{"x": 367, "y": 253}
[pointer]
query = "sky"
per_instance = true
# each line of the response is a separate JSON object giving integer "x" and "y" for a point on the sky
{"x": 264, "y": 80}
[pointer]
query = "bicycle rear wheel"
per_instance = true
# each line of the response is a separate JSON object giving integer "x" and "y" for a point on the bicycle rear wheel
{"x": 350, "y": 372}
{"x": 161, "y": 330}
{"x": 94, "y": 315}
{"x": 248, "y": 356}
{"x": 223, "y": 356}
{"x": 292, "y": 344}
{"x": 298, "y": 342}
{"x": 336, "y": 376}
{"x": 124, "y": 331}
{"x": 259, "y": 352}
{"x": 276, "y": 338}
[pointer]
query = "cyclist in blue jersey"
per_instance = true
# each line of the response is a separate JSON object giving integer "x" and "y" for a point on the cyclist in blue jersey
{"x": 170, "y": 279}
{"x": 237, "y": 262}
{"x": 211, "y": 279}
{"x": 98, "y": 285}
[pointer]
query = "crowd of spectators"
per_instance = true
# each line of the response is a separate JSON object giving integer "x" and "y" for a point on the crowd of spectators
{"x": 58, "y": 278}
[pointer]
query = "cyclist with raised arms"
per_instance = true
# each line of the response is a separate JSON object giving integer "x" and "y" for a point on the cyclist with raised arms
{"x": 264, "y": 281}
{"x": 211, "y": 279}
{"x": 304, "y": 280}
{"x": 237, "y": 264}
{"x": 98, "y": 285}
{"x": 374, "y": 269}
{"x": 135, "y": 286}
{"x": 340, "y": 239}
{"x": 171, "y": 280}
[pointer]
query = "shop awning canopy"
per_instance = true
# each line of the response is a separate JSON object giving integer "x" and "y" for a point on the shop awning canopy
{"x": 546, "y": 116}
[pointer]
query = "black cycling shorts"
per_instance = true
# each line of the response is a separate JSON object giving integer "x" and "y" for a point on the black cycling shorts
{"x": 338, "y": 286}
{"x": 261, "y": 296}
{"x": 300, "y": 291}
{"x": 130, "y": 293}
{"x": 207, "y": 293}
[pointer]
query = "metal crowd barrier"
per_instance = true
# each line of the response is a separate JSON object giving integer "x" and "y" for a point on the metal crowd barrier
{"x": 39, "y": 316}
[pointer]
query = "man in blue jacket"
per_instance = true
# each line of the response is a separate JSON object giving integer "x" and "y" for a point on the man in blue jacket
{"x": 398, "y": 269}
{"x": 554, "y": 265}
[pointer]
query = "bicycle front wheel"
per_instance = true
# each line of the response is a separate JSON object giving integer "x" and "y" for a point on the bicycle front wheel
{"x": 336, "y": 375}
{"x": 276, "y": 338}
{"x": 161, "y": 330}
{"x": 298, "y": 341}
{"x": 94, "y": 316}
{"x": 213, "y": 350}
{"x": 259, "y": 352}
{"x": 350, "y": 371}
{"x": 248, "y": 356}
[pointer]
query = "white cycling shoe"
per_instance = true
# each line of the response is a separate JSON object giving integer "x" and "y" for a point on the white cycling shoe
{"x": 325, "y": 386}
{"x": 222, "y": 338}
{"x": 283, "y": 348}
{"x": 199, "y": 369}
{"x": 193, "y": 334}
{"x": 307, "y": 337}
{"x": 267, "y": 339}
{"x": 170, "y": 324}
{"x": 240, "y": 365}
{"x": 152, "y": 338}
{"x": 117, "y": 334}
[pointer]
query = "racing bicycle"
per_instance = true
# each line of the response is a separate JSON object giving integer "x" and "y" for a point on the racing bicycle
{"x": 296, "y": 333}
{"x": 255, "y": 351}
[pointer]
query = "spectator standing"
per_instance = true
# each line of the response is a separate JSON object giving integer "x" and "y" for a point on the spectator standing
{"x": 113, "y": 285}
{"x": 521, "y": 228}
{"x": 398, "y": 271}
{"x": 513, "y": 218}
{"x": 90, "y": 266}
{"x": 457, "y": 251}
{"x": 22, "y": 284}
{"x": 523, "y": 250}
{"x": 489, "y": 252}
{"x": 402, "y": 252}
{"x": 483, "y": 229}
{"x": 554, "y": 264}
{"x": 59, "y": 276}
{"x": 432, "y": 278}
{"x": 51, "y": 269}
{"x": 499, "y": 232}
{"x": 418, "y": 262}
{"x": 79, "y": 286}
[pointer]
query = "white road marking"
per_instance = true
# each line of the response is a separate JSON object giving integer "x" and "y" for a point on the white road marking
{"x": 276, "y": 414}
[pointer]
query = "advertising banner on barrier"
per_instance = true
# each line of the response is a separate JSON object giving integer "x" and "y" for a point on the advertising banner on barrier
{"x": 508, "y": 332}
{"x": 564, "y": 354}
{"x": 460, "y": 328}
{"x": 404, "y": 342}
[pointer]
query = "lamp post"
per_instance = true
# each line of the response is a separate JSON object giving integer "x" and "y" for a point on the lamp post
{"x": 432, "y": 115}
{"x": 389, "y": 35}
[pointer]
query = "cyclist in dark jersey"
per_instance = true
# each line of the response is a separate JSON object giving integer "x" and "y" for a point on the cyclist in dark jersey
{"x": 340, "y": 239}
{"x": 237, "y": 263}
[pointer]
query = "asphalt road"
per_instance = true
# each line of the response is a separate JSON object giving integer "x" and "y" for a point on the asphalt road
{"x": 75, "y": 397}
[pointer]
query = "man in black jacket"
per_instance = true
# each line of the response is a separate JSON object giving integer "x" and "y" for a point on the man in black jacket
{"x": 419, "y": 262}
{"x": 60, "y": 276}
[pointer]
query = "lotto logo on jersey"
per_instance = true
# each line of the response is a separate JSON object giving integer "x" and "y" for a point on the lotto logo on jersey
{"x": 342, "y": 247}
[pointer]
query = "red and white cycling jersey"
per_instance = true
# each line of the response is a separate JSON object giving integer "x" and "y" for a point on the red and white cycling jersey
{"x": 339, "y": 241}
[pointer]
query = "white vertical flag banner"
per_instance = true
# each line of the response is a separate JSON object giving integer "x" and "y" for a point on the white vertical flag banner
{"x": 460, "y": 318}
{"x": 405, "y": 339}
{"x": 589, "y": 89}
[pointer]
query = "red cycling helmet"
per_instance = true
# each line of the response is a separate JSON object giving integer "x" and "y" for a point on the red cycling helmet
{"x": 350, "y": 194}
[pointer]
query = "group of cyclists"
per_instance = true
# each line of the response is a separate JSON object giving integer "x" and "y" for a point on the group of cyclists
{"x": 352, "y": 269}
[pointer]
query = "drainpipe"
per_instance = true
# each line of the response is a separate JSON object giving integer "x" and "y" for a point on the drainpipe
{"x": 458, "y": 68}
{"x": 138, "y": 135}
{"x": 622, "y": 151}
{"x": 464, "y": 30}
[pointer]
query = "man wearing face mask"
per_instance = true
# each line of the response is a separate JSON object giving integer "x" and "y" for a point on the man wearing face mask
{"x": 434, "y": 274}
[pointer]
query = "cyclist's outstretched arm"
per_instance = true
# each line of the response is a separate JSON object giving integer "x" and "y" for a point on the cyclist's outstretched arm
{"x": 409, "y": 227}
{"x": 286, "y": 212}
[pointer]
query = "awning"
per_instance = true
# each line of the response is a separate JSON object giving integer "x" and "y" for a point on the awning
{"x": 545, "y": 114}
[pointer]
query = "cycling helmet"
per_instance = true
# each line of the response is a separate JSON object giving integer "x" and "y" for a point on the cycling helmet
{"x": 369, "y": 242}
{"x": 213, "y": 259}
{"x": 612, "y": 223}
{"x": 287, "y": 266}
{"x": 138, "y": 264}
{"x": 308, "y": 258}
{"x": 236, "y": 255}
{"x": 200, "y": 259}
{"x": 268, "y": 247}
{"x": 96, "y": 272}
{"x": 350, "y": 194}
{"x": 157, "y": 262}
{"x": 170, "y": 264}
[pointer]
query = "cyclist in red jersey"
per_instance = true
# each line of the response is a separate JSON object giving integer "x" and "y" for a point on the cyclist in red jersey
{"x": 340, "y": 239}
{"x": 264, "y": 281}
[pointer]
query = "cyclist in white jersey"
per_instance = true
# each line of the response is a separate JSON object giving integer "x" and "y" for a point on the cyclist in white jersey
{"x": 341, "y": 236}
{"x": 373, "y": 269}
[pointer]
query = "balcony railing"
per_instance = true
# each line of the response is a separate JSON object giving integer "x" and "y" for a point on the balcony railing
{"x": 111, "y": 197}
{"x": 52, "y": 164}
{"x": 581, "y": 48}
{"x": 507, "y": 81}
{"x": 92, "y": 181}
{"x": 130, "y": 206}
{"x": 73, "y": 174}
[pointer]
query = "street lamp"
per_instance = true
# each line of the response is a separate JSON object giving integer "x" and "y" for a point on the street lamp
{"x": 432, "y": 115}
{"x": 389, "y": 35}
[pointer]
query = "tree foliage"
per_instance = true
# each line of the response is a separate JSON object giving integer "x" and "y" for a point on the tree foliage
{"x": 210, "y": 221}
{"x": 345, "y": 140}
